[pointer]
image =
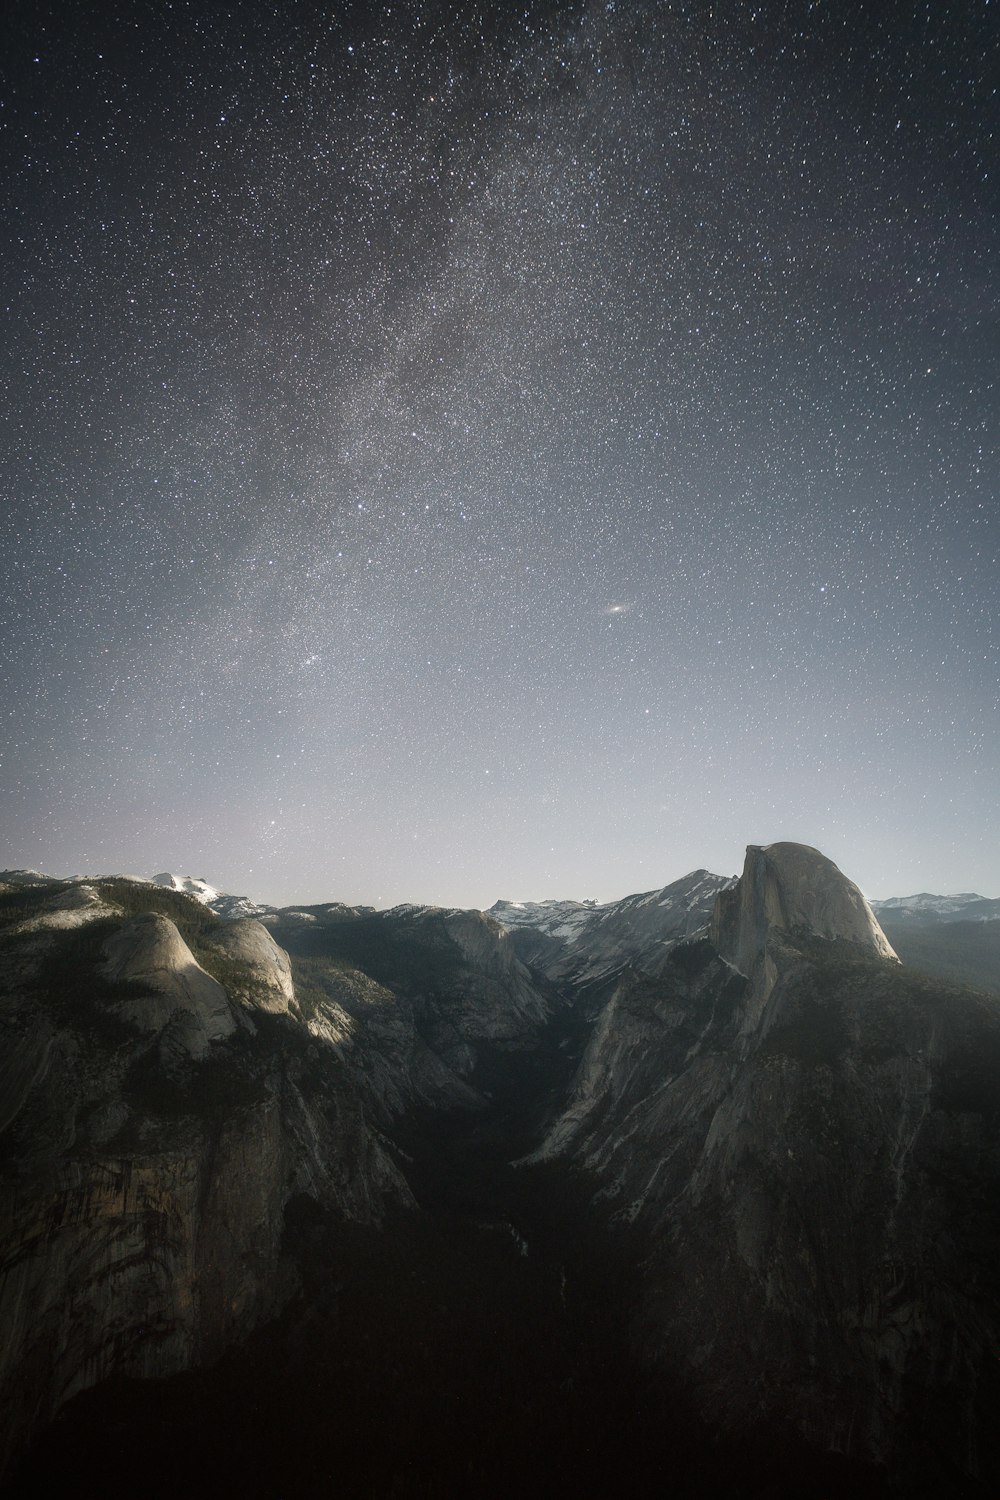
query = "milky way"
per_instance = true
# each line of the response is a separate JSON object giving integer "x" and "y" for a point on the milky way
{"x": 453, "y": 452}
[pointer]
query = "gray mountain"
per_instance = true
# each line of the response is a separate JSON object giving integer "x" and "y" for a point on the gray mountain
{"x": 956, "y": 938}
{"x": 556, "y": 919}
{"x": 800, "y": 1137}
{"x": 150, "y": 1146}
{"x": 583, "y": 948}
{"x": 925, "y": 909}
{"x": 454, "y": 973}
{"x": 232, "y": 908}
{"x": 11, "y": 880}
{"x": 173, "y": 1083}
{"x": 754, "y": 1210}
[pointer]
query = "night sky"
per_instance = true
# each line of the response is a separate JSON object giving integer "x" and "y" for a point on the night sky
{"x": 457, "y": 451}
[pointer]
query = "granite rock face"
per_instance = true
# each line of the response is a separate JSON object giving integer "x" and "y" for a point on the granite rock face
{"x": 805, "y": 1141}
{"x": 148, "y": 956}
{"x": 249, "y": 943}
{"x": 450, "y": 979}
{"x": 492, "y": 997}
{"x": 158, "y": 1121}
{"x": 789, "y": 890}
{"x": 153, "y": 1133}
{"x": 375, "y": 1031}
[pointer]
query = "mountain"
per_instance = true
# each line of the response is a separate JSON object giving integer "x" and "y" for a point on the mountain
{"x": 556, "y": 919}
{"x": 787, "y": 890}
{"x": 699, "y": 1183}
{"x": 173, "y": 1085}
{"x": 412, "y": 1000}
{"x": 925, "y": 909}
{"x": 584, "y": 948}
{"x": 799, "y": 1138}
{"x": 221, "y": 902}
{"x": 200, "y": 889}
{"x": 956, "y": 938}
{"x": 151, "y": 1148}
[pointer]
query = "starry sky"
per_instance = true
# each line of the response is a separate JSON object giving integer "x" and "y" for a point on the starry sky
{"x": 452, "y": 451}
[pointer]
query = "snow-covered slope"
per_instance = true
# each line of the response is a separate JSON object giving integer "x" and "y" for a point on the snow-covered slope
{"x": 234, "y": 908}
{"x": 964, "y": 907}
{"x": 587, "y": 947}
{"x": 200, "y": 889}
{"x": 230, "y": 908}
{"x": 559, "y": 919}
{"x": 20, "y": 879}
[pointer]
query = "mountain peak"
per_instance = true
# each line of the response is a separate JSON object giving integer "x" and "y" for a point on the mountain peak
{"x": 794, "y": 889}
{"x": 200, "y": 889}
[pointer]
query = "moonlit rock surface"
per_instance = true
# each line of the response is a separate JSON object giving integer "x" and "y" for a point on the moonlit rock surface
{"x": 143, "y": 1224}
{"x": 251, "y": 944}
{"x": 150, "y": 952}
{"x": 792, "y": 888}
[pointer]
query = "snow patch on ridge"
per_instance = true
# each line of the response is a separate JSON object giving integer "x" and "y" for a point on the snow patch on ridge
{"x": 199, "y": 889}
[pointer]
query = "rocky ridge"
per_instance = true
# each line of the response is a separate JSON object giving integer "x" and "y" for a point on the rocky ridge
{"x": 584, "y": 948}
{"x": 925, "y": 908}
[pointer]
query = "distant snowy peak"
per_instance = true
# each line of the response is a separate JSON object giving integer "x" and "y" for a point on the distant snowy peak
{"x": 221, "y": 902}
{"x": 926, "y": 902}
{"x": 587, "y": 946}
{"x": 924, "y": 907}
{"x": 230, "y": 908}
{"x": 691, "y": 893}
{"x": 200, "y": 889}
{"x": 570, "y": 919}
{"x": 562, "y": 919}
{"x": 414, "y": 909}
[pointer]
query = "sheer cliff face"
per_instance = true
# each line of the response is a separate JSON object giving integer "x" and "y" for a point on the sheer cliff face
{"x": 806, "y": 1143}
{"x": 153, "y": 1129}
{"x": 450, "y": 983}
{"x": 166, "y": 1094}
{"x": 788, "y": 890}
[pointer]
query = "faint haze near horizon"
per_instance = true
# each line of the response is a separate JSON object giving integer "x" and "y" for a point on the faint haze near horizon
{"x": 457, "y": 453}
{"x": 295, "y": 896}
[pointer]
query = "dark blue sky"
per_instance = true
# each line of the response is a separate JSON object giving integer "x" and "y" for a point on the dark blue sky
{"x": 452, "y": 452}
